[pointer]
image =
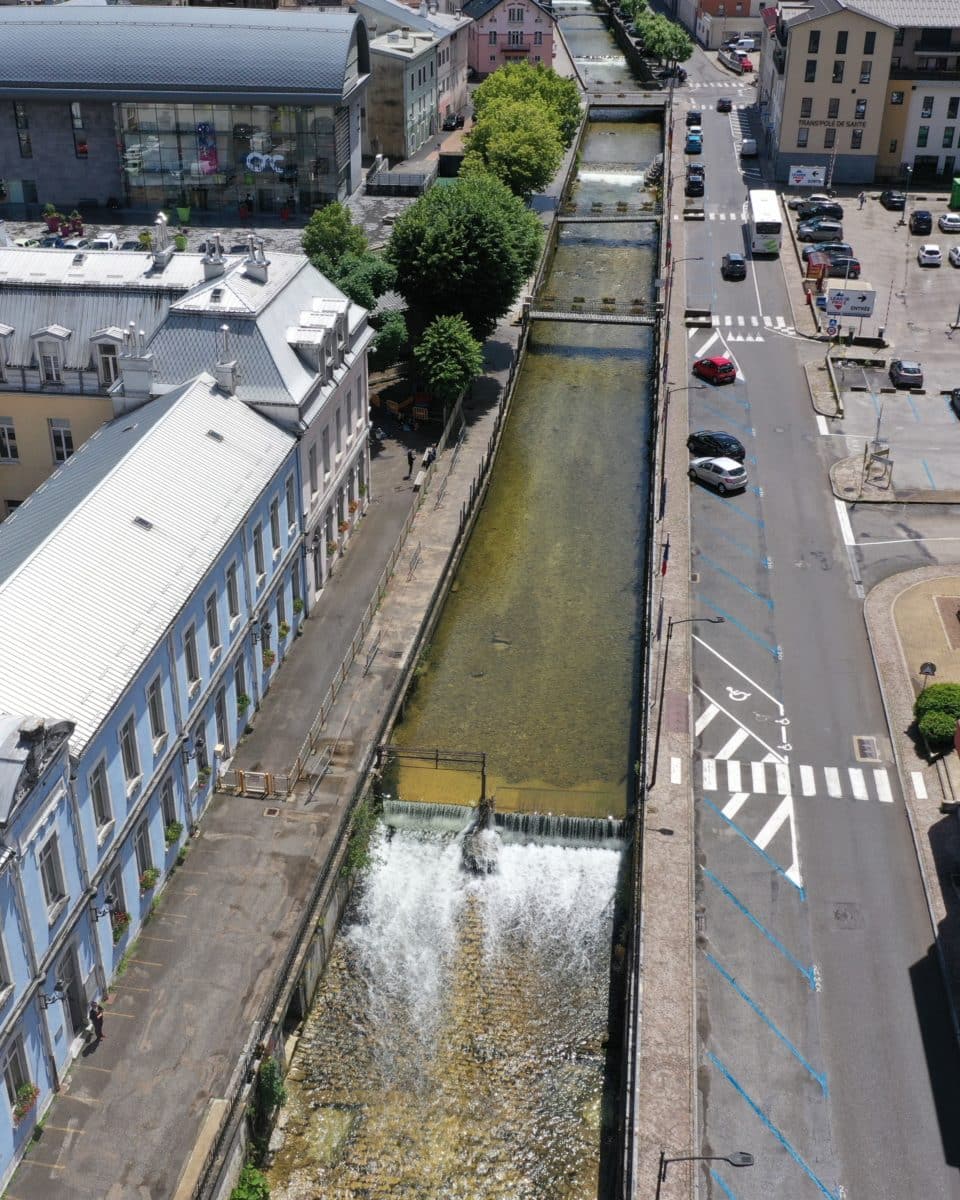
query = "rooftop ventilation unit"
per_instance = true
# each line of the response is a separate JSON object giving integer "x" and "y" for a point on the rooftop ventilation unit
{"x": 143, "y": 523}
{"x": 217, "y": 437}
{"x": 216, "y": 295}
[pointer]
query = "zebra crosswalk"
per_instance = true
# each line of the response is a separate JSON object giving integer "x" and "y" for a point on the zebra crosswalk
{"x": 747, "y": 328}
{"x": 765, "y": 777}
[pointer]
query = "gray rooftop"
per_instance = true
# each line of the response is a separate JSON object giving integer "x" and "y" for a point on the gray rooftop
{"x": 914, "y": 14}
{"x": 181, "y": 53}
{"x": 383, "y": 15}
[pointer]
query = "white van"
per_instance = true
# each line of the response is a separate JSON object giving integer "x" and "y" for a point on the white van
{"x": 106, "y": 241}
{"x": 745, "y": 43}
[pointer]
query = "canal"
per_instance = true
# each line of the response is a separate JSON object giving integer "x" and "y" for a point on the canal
{"x": 461, "y": 1042}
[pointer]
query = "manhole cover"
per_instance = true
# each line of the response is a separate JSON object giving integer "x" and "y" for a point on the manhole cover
{"x": 271, "y": 812}
{"x": 695, "y": 578}
{"x": 865, "y": 749}
{"x": 701, "y": 921}
{"x": 847, "y": 915}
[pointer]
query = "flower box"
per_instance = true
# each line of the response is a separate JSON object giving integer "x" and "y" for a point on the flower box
{"x": 27, "y": 1094}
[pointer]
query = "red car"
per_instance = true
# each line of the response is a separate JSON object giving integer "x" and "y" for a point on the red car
{"x": 715, "y": 370}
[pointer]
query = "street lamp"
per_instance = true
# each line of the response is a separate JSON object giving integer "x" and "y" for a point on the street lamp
{"x": 739, "y": 1158}
{"x": 908, "y": 171}
{"x": 663, "y": 684}
{"x": 927, "y": 670}
{"x": 109, "y": 906}
{"x": 59, "y": 993}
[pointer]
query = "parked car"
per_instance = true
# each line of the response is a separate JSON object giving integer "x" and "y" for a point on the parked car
{"x": 745, "y": 63}
{"x": 693, "y": 186}
{"x": 820, "y": 208}
{"x": 955, "y": 401}
{"x": 695, "y": 117}
{"x": 133, "y": 245}
{"x": 106, "y": 241}
{"x": 715, "y": 370}
{"x": 733, "y": 266}
{"x": 820, "y": 229}
{"x": 921, "y": 221}
{"x": 949, "y": 222}
{"x": 834, "y": 249}
{"x": 748, "y": 148}
{"x": 694, "y": 143}
{"x": 51, "y": 240}
{"x": 724, "y": 104}
{"x": 725, "y": 474}
{"x": 906, "y": 373}
{"x": 76, "y": 243}
{"x": 844, "y": 267}
{"x": 714, "y": 443}
{"x": 26, "y": 243}
{"x": 954, "y": 256}
{"x": 894, "y": 201}
{"x": 696, "y": 168}
{"x": 929, "y": 255}
{"x": 817, "y": 198}
{"x": 453, "y": 121}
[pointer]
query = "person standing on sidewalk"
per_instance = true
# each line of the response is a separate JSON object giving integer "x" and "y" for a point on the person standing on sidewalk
{"x": 410, "y": 457}
{"x": 96, "y": 1019}
{"x": 862, "y": 198}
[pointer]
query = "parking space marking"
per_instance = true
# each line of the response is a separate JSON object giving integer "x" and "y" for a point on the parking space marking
{"x": 808, "y": 783}
{"x": 923, "y": 463}
{"x": 807, "y": 972}
{"x": 727, "y": 663}
{"x": 919, "y": 787}
{"x": 845, "y": 528}
{"x": 764, "y": 560}
{"x": 783, "y": 812}
{"x": 882, "y": 784}
{"x": 719, "y": 707}
{"x": 727, "y": 815}
{"x": 732, "y": 744}
{"x": 820, "y": 1078}
{"x": 705, "y": 718}
{"x": 715, "y": 566}
{"x": 706, "y": 346}
{"x": 733, "y": 805}
{"x": 730, "y": 619}
{"x": 771, "y": 1128}
{"x": 718, "y": 1180}
{"x": 857, "y": 783}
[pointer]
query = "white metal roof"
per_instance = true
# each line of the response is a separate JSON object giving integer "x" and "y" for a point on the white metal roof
{"x": 84, "y": 608}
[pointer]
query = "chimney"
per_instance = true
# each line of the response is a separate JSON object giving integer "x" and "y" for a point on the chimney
{"x": 137, "y": 373}
{"x": 162, "y": 245}
{"x": 213, "y": 261}
{"x": 226, "y": 371}
{"x": 256, "y": 264}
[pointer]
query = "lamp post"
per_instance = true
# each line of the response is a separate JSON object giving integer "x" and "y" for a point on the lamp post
{"x": 908, "y": 171}
{"x": 739, "y": 1158}
{"x": 663, "y": 683}
{"x": 927, "y": 670}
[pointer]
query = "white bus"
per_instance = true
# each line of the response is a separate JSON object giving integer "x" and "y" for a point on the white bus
{"x": 765, "y": 222}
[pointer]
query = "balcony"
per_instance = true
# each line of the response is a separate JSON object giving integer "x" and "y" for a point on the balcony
{"x": 512, "y": 44}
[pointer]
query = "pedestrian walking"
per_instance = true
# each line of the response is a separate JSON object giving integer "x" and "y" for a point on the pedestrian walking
{"x": 410, "y": 457}
{"x": 96, "y": 1019}
{"x": 862, "y": 198}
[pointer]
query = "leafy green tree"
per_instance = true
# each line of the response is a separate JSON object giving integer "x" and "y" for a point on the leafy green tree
{"x": 517, "y": 141}
{"x": 364, "y": 277}
{"x": 252, "y": 1185}
{"x": 329, "y": 235}
{"x": 538, "y": 85}
{"x": 680, "y": 46}
{"x": 938, "y": 727}
{"x": 449, "y": 356}
{"x": 467, "y": 248}
{"x": 391, "y": 337}
{"x": 938, "y": 697}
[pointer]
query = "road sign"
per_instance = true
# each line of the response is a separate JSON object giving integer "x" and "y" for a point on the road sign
{"x": 806, "y": 176}
{"x": 850, "y": 302}
{"x": 833, "y": 327}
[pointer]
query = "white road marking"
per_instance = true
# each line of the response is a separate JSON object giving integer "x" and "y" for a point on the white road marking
{"x": 768, "y": 321}
{"x": 781, "y": 813}
{"x": 845, "y": 529}
{"x": 715, "y": 319}
{"x": 857, "y": 783}
{"x": 705, "y": 718}
{"x": 919, "y": 787}
{"x": 706, "y": 346}
{"x": 728, "y": 321}
{"x": 676, "y": 769}
{"x": 808, "y": 782}
{"x": 897, "y": 541}
{"x": 822, "y": 425}
{"x": 770, "y": 749}
{"x": 727, "y": 663}
{"x": 734, "y": 804}
{"x": 709, "y": 768}
{"x": 783, "y": 779}
{"x": 727, "y": 750}
{"x": 759, "y": 777}
{"x": 882, "y": 784}
{"x": 740, "y": 321}
{"x": 754, "y": 321}
{"x": 733, "y": 776}
{"x": 832, "y": 776}
{"x": 781, "y": 323}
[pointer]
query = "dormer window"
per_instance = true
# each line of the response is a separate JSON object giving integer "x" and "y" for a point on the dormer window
{"x": 107, "y": 344}
{"x": 50, "y": 361}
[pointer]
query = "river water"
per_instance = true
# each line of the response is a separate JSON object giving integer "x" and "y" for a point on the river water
{"x": 457, "y": 1048}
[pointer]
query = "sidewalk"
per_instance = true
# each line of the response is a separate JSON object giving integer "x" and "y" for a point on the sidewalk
{"x": 911, "y": 618}
{"x": 137, "y": 1114}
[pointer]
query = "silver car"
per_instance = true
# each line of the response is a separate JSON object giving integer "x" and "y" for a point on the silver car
{"x": 725, "y": 474}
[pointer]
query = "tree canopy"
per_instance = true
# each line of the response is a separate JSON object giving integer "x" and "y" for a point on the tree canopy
{"x": 329, "y": 235}
{"x": 364, "y": 277}
{"x": 466, "y": 248}
{"x": 661, "y": 37}
{"x": 518, "y": 141}
{"x": 449, "y": 356}
{"x": 537, "y": 85}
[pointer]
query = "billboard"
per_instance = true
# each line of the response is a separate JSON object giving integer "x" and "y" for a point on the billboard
{"x": 807, "y": 176}
{"x": 850, "y": 302}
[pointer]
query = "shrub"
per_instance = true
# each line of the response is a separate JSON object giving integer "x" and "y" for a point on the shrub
{"x": 27, "y": 1094}
{"x": 172, "y": 832}
{"x": 148, "y": 879}
{"x": 252, "y": 1185}
{"x": 938, "y": 727}
{"x": 939, "y": 697}
{"x": 121, "y": 923}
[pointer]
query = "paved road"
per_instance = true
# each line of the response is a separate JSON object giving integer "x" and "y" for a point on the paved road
{"x": 824, "y": 1038}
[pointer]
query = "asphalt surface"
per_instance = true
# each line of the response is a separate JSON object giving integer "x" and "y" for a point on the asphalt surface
{"x": 825, "y": 1044}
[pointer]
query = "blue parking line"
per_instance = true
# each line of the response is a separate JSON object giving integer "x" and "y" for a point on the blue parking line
{"x": 758, "y": 521}
{"x": 723, "y": 1187}
{"x": 923, "y": 463}
{"x": 775, "y": 866}
{"x": 762, "y": 559}
{"x": 718, "y": 412}
{"x": 776, "y": 651}
{"x": 733, "y": 579}
{"x": 916, "y": 413}
{"x": 752, "y": 460}
{"x": 876, "y": 403}
{"x": 807, "y": 972}
{"x": 769, "y": 1125}
{"x": 749, "y": 1000}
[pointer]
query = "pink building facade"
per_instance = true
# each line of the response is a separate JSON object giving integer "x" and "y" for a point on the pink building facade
{"x": 506, "y": 31}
